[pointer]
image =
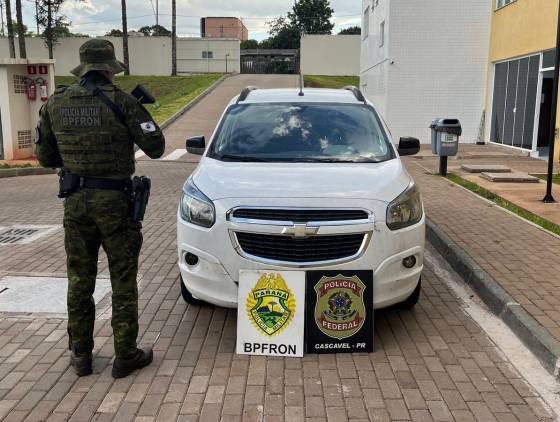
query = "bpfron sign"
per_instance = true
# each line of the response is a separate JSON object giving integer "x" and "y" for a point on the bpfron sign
{"x": 270, "y": 316}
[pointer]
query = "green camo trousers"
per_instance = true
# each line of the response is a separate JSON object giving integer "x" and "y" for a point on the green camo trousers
{"x": 94, "y": 218}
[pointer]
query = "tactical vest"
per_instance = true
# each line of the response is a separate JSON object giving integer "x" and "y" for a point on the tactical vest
{"x": 91, "y": 141}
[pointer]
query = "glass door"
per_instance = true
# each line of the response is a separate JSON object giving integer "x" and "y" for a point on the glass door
{"x": 514, "y": 102}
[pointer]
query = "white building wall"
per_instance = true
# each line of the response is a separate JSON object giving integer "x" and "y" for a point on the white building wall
{"x": 436, "y": 58}
{"x": 332, "y": 55}
{"x": 189, "y": 55}
{"x": 374, "y": 68}
{"x": 148, "y": 55}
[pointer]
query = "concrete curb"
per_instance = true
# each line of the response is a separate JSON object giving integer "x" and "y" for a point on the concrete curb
{"x": 25, "y": 171}
{"x": 543, "y": 345}
{"x": 194, "y": 102}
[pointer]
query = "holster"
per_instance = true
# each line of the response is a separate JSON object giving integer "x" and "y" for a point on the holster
{"x": 68, "y": 183}
{"x": 140, "y": 196}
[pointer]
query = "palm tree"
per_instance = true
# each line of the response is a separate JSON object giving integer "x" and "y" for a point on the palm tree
{"x": 125, "y": 38}
{"x": 174, "y": 38}
{"x": 9, "y": 22}
{"x": 20, "y": 31}
{"x": 272, "y": 306}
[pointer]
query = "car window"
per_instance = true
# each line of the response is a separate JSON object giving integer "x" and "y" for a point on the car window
{"x": 301, "y": 132}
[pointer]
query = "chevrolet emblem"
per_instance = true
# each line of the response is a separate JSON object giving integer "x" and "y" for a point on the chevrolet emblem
{"x": 300, "y": 230}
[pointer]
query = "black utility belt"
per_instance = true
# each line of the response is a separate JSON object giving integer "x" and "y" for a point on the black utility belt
{"x": 137, "y": 189}
{"x": 72, "y": 183}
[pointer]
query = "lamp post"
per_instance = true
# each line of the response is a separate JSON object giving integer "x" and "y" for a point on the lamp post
{"x": 227, "y": 55}
{"x": 548, "y": 199}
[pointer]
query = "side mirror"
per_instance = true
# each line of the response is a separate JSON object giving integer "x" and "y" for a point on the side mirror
{"x": 409, "y": 146}
{"x": 196, "y": 145}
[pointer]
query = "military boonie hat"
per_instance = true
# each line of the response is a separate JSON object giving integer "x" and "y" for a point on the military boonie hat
{"x": 98, "y": 55}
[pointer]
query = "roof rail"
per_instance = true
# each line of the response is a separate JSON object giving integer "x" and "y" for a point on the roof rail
{"x": 357, "y": 93}
{"x": 245, "y": 93}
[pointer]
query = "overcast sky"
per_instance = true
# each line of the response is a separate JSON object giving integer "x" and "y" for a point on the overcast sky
{"x": 96, "y": 17}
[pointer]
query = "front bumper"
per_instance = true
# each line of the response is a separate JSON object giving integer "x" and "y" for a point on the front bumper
{"x": 214, "y": 278}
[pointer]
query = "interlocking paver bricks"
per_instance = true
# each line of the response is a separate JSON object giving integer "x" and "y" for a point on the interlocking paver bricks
{"x": 519, "y": 256}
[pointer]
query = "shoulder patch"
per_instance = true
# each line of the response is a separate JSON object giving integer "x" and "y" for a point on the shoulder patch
{"x": 148, "y": 127}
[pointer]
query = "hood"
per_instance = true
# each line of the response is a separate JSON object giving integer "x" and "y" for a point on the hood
{"x": 378, "y": 181}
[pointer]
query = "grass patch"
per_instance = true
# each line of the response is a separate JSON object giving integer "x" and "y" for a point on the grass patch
{"x": 172, "y": 93}
{"x": 336, "y": 82}
{"x": 555, "y": 178}
{"x": 498, "y": 200}
{"x": 4, "y": 166}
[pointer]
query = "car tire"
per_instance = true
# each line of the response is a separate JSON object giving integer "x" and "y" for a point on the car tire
{"x": 187, "y": 296}
{"x": 412, "y": 300}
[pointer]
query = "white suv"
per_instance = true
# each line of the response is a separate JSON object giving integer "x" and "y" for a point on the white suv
{"x": 292, "y": 181}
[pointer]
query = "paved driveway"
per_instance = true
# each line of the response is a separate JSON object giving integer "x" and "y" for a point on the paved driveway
{"x": 432, "y": 363}
{"x": 201, "y": 120}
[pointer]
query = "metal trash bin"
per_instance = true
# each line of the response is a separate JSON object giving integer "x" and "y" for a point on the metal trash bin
{"x": 445, "y": 137}
{"x": 445, "y": 140}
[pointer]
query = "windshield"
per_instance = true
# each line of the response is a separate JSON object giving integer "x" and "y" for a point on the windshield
{"x": 301, "y": 133}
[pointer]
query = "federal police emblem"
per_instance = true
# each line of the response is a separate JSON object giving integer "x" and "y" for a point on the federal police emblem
{"x": 271, "y": 305}
{"x": 339, "y": 310}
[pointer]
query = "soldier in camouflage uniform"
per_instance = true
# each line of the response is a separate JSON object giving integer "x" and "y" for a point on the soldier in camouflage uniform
{"x": 82, "y": 135}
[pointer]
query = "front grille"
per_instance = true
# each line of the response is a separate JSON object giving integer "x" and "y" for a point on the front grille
{"x": 299, "y": 216}
{"x": 298, "y": 250}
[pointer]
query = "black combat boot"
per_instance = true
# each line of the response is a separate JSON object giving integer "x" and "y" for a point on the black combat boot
{"x": 123, "y": 367}
{"x": 81, "y": 360}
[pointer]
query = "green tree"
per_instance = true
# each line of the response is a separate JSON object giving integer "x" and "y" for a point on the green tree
{"x": 312, "y": 16}
{"x": 50, "y": 17}
{"x": 155, "y": 31}
{"x": 283, "y": 34}
{"x": 265, "y": 44}
{"x": 114, "y": 33}
{"x": 15, "y": 29}
{"x": 249, "y": 44}
{"x": 306, "y": 17}
{"x": 62, "y": 30}
{"x": 353, "y": 30}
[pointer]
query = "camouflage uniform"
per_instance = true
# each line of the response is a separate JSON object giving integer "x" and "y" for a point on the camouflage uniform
{"x": 80, "y": 134}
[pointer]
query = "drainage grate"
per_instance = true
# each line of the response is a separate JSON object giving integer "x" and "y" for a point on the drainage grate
{"x": 18, "y": 235}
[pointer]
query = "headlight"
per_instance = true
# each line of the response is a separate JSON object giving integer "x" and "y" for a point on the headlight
{"x": 196, "y": 208}
{"x": 406, "y": 210}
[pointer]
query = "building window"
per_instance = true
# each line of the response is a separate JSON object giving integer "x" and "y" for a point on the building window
{"x": 382, "y": 34}
{"x": 365, "y": 26}
{"x": 207, "y": 54}
{"x": 502, "y": 3}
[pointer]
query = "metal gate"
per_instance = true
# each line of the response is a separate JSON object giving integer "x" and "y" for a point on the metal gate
{"x": 270, "y": 61}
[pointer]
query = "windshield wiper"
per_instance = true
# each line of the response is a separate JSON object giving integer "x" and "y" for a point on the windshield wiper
{"x": 242, "y": 158}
